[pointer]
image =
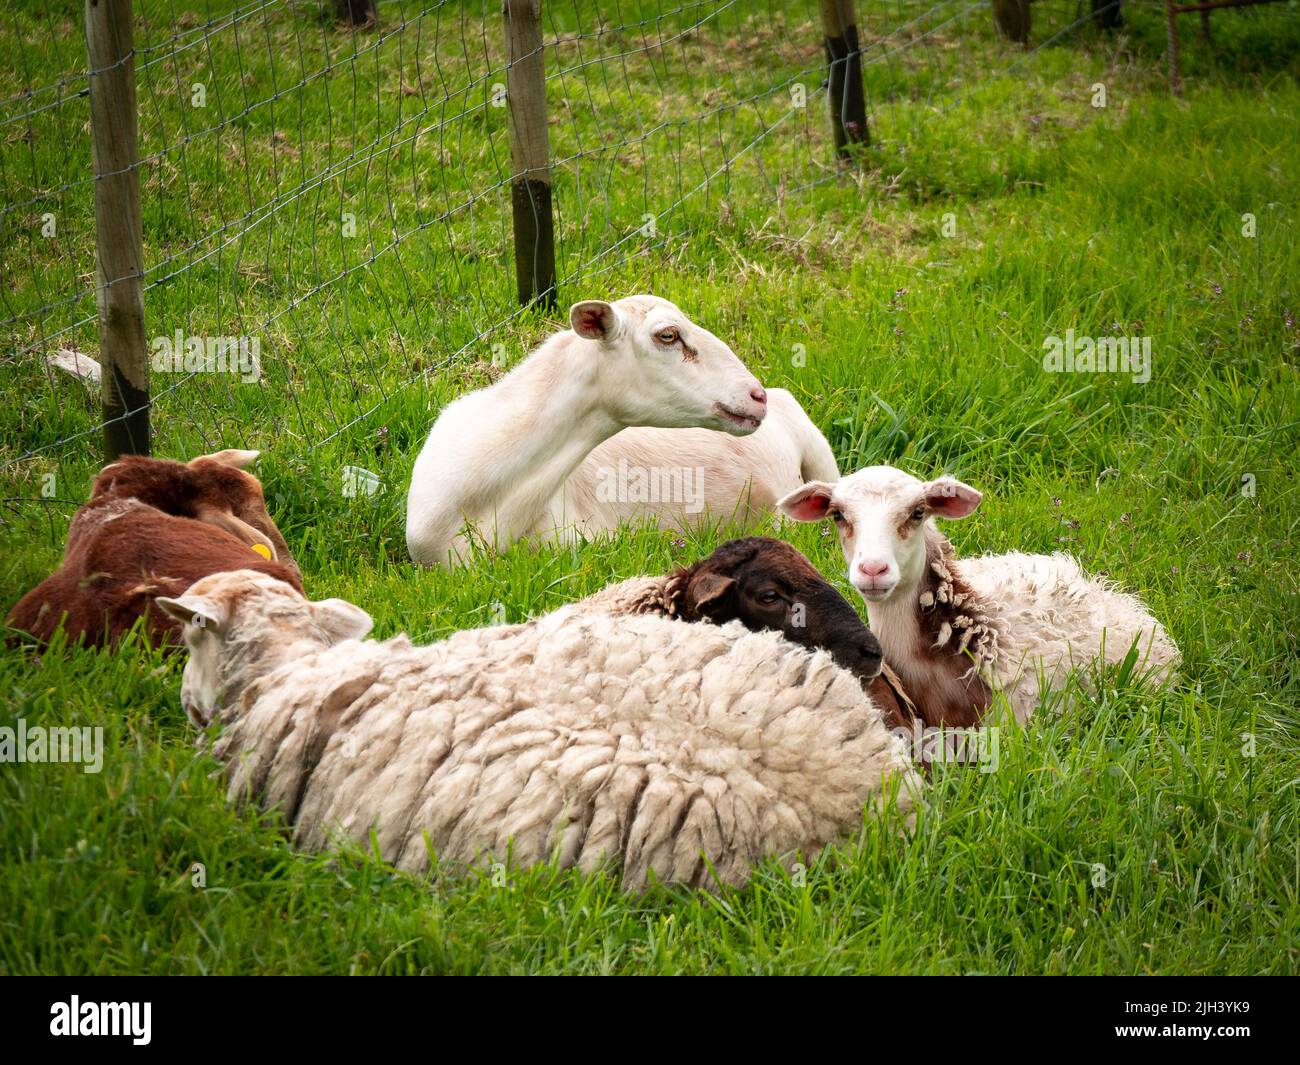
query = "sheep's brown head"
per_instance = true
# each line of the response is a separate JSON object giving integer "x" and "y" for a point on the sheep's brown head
{"x": 767, "y": 584}
{"x": 240, "y": 622}
{"x": 215, "y": 489}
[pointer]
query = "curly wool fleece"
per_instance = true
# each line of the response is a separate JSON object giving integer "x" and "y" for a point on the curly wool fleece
{"x": 672, "y": 751}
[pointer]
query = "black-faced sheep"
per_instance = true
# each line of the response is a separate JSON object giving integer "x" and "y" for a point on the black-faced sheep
{"x": 765, "y": 583}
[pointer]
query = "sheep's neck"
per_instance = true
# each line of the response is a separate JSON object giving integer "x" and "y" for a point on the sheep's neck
{"x": 557, "y": 405}
{"x": 922, "y": 641}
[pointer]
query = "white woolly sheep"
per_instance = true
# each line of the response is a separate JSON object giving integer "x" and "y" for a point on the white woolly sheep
{"x": 956, "y": 630}
{"x": 678, "y": 752}
{"x": 537, "y": 455}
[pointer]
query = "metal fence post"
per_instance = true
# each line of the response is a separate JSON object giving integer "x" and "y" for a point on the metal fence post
{"x": 119, "y": 250}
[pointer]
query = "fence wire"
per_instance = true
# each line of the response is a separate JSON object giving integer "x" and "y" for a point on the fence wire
{"x": 337, "y": 203}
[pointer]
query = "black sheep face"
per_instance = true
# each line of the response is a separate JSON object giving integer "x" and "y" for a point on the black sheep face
{"x": 766, "y": 584}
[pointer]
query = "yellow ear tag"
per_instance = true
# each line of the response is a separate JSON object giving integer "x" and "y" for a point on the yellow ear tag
{"x": 262, "y": 550}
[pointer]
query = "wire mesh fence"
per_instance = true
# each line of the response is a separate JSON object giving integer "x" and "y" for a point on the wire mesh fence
{"x": 327, "y": 215}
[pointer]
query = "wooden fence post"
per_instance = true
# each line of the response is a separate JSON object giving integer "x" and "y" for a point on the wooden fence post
{"x": 359, "y": 14}
{"x": 530, "y": 153}
{"x": 848, "y": 104}
{"x": 1171, "y": 15}
{"x": 1012, "y": 19}
{"x": 119, "y": 250}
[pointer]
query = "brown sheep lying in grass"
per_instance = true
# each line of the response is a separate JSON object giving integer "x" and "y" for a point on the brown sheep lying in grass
{"x": 153, "y": 527}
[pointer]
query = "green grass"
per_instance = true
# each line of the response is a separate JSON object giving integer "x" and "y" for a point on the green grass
{"x": 919, "y": 348}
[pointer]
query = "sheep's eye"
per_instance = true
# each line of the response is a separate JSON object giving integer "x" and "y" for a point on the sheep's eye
{"x": 668, "y": 336}
{"x": 768, "y": 597}
{"x": 837, "y": 516}
{"x": 918, "y": 513}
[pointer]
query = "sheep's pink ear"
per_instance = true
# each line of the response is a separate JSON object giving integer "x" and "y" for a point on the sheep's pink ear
{"x": 231, "y": 456}
{"x": 196, "y": 610}
{"x": 341, "y": 620}
{"x": 947, "y": 497}
{"x": 594, "y": 320}
{"x": 812, "y": 502}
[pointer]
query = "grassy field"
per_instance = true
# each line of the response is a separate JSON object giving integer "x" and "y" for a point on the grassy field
{"x": 906, "y": 304}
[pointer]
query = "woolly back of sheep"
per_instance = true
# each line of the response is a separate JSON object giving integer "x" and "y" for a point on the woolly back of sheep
{"x": 674, "y": 752}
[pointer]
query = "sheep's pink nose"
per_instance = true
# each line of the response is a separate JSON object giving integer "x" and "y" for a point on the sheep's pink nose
{"x": 758, "y": 395}
{"x": 873, "y": 568}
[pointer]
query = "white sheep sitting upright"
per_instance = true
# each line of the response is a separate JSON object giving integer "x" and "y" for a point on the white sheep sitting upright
{"x": 956, "y": 630}
{"x": 678, "y": 752}
{"x": 635, "y": 412}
